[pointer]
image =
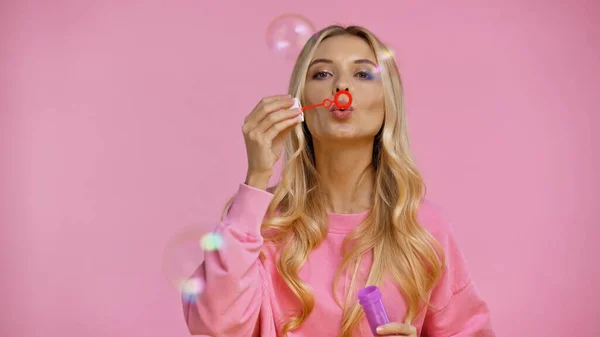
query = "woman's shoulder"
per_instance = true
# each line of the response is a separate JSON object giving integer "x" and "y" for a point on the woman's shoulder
{"x": 432, "y": 218}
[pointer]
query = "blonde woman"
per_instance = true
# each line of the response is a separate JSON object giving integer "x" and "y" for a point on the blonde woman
{"x": 348, "y": 212}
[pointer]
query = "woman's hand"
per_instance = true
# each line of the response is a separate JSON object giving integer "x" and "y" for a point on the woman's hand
{"x": 264, "y": 131}
{"x": 397, "y": 329}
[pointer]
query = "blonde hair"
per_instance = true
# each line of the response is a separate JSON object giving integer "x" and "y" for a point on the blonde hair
{"x": 401, "y": 248}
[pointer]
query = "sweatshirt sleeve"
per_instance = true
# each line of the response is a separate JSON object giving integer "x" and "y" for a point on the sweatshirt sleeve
{"x": 456, "y": 308}
{"x": 233, "y": 277}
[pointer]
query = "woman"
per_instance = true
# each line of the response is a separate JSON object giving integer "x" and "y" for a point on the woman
{"x": 349, "y": 212}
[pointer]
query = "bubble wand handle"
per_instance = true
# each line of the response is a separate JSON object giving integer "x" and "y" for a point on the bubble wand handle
{"x": 326, "y": 103}
{"x": 336, "y": 100}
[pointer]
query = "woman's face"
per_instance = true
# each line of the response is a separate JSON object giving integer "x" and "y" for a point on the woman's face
{"x": 344, "y": 62}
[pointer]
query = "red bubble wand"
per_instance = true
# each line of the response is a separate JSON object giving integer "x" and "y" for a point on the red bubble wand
{"x": 336, "y": 100}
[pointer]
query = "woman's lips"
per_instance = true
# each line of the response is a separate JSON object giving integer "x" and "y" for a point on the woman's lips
{"x": 341, "y": 114}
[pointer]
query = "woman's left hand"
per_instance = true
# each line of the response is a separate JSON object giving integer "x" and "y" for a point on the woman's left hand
{"x": 397, "y": 329}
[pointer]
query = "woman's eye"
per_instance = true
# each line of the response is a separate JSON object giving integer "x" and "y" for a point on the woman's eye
{"x": 361, "y": 74}
{"x": 320, "y": 75}
{"x": 365, "y": 75}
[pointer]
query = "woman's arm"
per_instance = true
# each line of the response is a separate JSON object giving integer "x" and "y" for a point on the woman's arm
{"x": 233, "y": 280}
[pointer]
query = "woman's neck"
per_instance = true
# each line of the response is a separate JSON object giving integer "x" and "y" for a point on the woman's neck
{"x": 346, "y": 173}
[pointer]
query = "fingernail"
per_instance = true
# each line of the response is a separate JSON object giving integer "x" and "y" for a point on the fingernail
{"x": 379, "y": 329}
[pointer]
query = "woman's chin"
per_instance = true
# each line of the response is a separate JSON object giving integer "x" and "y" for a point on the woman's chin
{"x": 331, "y": 132}
{"x": 341, "y": 133}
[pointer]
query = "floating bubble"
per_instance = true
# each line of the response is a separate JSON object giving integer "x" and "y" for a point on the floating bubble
{"x": 388, "y": 54}
{"x": 182, "y": 256}
{"x": 287, "y": 34}
{"x": 191, "y": 288}
{"x": 377, "y": 72}
{"x": 211, "y": 241}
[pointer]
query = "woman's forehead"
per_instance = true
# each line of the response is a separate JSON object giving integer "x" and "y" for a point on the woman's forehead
{"x": 344, "y": 48}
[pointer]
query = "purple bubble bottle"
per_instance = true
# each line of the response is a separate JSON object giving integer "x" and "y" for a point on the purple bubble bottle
{"x": 370, "y": 300}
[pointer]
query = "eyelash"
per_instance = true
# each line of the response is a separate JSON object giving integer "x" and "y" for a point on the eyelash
{"x": 368, "y": 76}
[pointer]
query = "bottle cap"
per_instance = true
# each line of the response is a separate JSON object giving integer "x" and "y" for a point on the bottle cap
{"x": 369, "y": 294}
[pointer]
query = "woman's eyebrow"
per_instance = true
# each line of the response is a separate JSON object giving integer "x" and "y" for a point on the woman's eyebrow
{"x": 328, "y": 61}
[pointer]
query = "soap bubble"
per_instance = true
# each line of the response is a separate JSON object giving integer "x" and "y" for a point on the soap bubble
{"x": 191, "y": 288}
{"x": 388, "y": 54}
{"x": 211, "y": 241}
{"x": 287, "y": 34}
{"x": 183, "y": 254}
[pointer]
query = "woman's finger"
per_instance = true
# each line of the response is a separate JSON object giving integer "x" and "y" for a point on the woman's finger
{"x": 285, "y": 125}
{"x": 275, "y": 117}
{"x": 396, "y": 328}
{"x": 266, "y": 106}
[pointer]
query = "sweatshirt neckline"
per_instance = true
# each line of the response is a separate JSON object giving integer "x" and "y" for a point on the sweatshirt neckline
{"x": 344, "y": 222}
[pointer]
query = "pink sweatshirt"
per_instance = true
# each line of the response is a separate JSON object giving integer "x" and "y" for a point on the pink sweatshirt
{"x": 245, "y": 296}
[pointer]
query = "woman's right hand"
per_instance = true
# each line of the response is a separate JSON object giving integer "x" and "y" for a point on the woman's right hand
{"x": 264, "y": 131}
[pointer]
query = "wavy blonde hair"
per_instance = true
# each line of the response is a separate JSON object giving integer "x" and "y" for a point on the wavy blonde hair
{"x": 401, "y": 248}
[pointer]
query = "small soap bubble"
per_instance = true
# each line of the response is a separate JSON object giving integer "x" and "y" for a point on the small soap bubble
{"x": 191, "y": 288}
{"x": 182, "y": 256}
{"x": 211, "y": 241}
{"x": 287, "y": 34}
{"x": 388, "y": 54}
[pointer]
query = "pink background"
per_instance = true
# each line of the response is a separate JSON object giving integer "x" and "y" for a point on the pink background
{"x": 121, "y": 128}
